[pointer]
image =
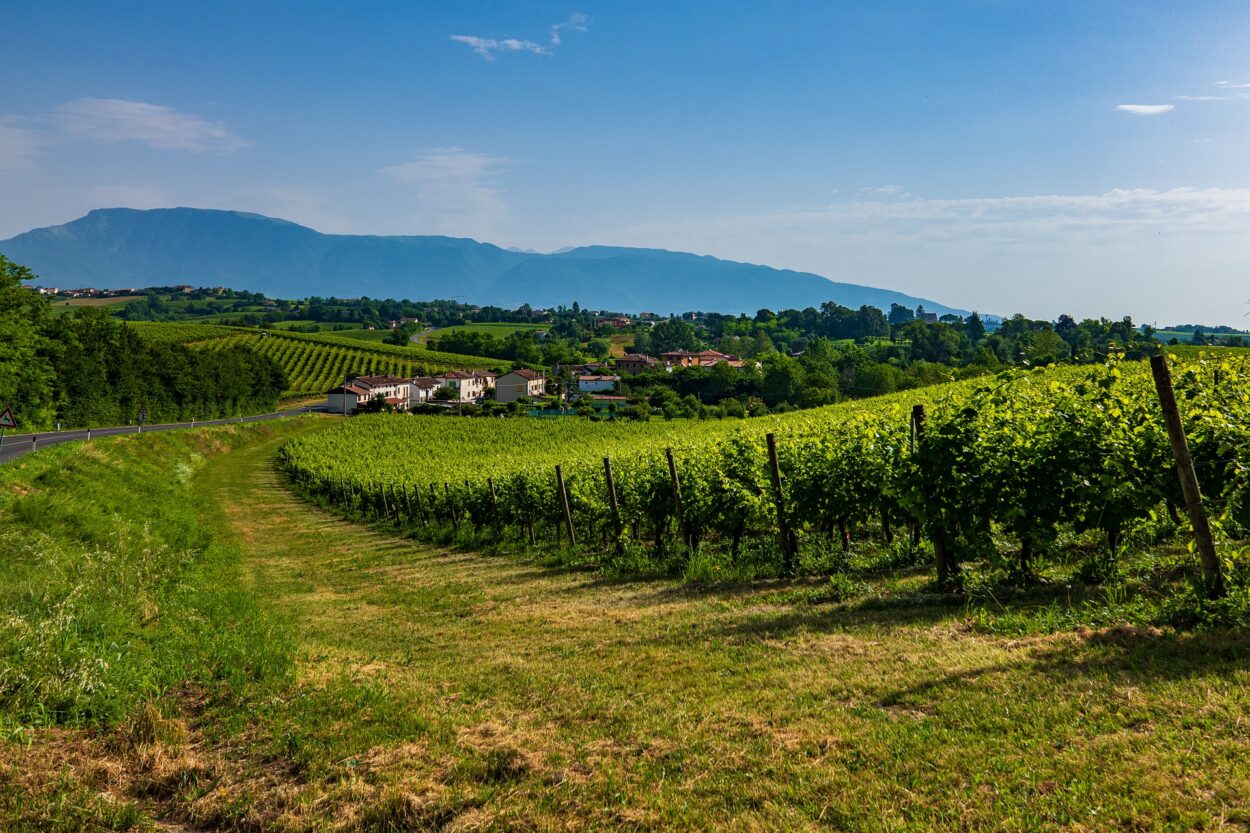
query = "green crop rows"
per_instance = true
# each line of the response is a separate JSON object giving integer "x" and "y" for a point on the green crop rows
{"x": 315, "y": 363}
{"x": 1024, "y": 458}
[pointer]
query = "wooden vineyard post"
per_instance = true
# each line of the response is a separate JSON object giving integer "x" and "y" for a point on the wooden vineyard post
{"x": 617, "y": 528}
{"x": 946, "y": 569}
{"x": 386, "y": 509}
{"x": 788, "y": 549}
{"x": 494, "y": 506}
{"x": 408, "y": 505}
{"x": 451, "y": 506}
{"x": 682, "y": 532}
{"x": 468, "y": 493}
{"x": 564, "y": 504}
{"x": 425, "y": 521}
{"x": 1212, "y": 572}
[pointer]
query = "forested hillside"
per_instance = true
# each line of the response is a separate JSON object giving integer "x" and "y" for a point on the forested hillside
{"x": 88, "y": 369}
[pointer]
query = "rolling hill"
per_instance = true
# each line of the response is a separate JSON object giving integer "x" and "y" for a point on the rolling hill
{"x": 122, "y": 247}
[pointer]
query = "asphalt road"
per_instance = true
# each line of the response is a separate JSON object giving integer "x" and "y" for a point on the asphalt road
{"x": 16, "y": 445}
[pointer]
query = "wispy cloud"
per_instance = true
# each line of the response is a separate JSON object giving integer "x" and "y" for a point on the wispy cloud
{"x": 119, "y": 120}
{"x": 1201, "y": 97}
{"x": 1232, "y": 85}
{"x": 129, "y": 196}
{"x": 576, "y": 23}
{"x": 488, "y": 47}
{"x": 1146, "y": 109}
{"x": 886, "y": 191}
{"x": 1110, "y": 253}
{"x": 20, "y": 146}
{"x": 456, "y": 190}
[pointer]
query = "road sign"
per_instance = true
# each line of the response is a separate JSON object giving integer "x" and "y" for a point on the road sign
{"x": 7, "y": 420}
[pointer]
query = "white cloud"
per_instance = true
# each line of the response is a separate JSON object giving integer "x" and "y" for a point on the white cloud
{"x": 1125, "y": 251}
{"x": 456, "y": 190}
{"x": 20, "y": 147}
{"x": 1146, "y": 109}
{"x": 1201, "y": 98}
{"x": 576, "y": 23}
{"x": 487, "y": 47}
{"x": 885, "y": 191}
{"x": 128, "y": 196}
{"x": 118, "y": 120}
{"x": 1229, "y": 85}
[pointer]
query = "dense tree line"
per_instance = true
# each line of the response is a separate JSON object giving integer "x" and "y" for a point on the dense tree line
{"x": 89, "y": 369}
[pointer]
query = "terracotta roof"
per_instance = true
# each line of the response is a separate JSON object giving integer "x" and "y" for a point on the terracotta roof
{"x": 426, "y": 383}
{"x": 526, "y": 373}
{"x": 636, "y": 357}
{"x": 598, "y": 379}
{"x": 349, "y": 389}
{"x": 378, "y": 381}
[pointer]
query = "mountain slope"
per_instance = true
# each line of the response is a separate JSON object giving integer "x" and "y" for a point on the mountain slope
{"x": 122, "y": 247}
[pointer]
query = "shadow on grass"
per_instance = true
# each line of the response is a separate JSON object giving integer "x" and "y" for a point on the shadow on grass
{"x": 1122, "y": 655}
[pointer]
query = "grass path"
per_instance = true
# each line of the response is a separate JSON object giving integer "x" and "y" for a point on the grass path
{"x": 463, "y": 691}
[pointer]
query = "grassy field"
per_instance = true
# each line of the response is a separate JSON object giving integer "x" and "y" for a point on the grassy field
{"x": 497, "y": 329}
{"x": 96, "y": 302}
{"x": 452, "y": 690}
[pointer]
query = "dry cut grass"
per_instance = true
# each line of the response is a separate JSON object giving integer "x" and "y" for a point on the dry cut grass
{"x": 459, "y": 691}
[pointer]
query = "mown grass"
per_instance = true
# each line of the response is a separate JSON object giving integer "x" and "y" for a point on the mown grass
{"x": 116, "y": 597}
{"x": 443, "y": 689}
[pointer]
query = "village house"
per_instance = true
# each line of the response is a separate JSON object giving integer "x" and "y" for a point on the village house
{"x": 591, "y": 369}
{"x": 519, "y": 383}
{"x": 634, "y": 363}
{"x": 704, "y": 358}
{"x": 421, "y": 391}
{"x": 619, "y": 322}
{"x": 350, "y": 397}
{"x": 466, "y": 385}
{"x": 597, "y": 384}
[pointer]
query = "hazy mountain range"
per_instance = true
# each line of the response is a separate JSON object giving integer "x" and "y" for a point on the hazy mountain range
{"x": 122, "y": 247}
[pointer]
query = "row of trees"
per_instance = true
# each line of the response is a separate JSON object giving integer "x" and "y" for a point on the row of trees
{"x": 89, "y": 369}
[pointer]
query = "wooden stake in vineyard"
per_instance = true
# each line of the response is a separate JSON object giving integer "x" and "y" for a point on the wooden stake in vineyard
{"x": 1212, "y": 570}
{"x": 682, "y": 532}
{"x": 451, "y": 506}
{"x": 564, "y": 503}
{"x": 947, "y": 567}
{"x": 789, "y": 546}
{"x": 618, "y": 528}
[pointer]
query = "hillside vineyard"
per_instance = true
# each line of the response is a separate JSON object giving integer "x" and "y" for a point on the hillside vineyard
{"x": 315, "y": 363}
{"x": 1024, "y": 457}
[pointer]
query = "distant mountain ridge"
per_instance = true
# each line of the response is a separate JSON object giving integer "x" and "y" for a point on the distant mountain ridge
{"x": 122, "y": 247}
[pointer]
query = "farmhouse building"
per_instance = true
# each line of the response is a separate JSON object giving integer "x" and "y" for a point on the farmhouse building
{"x": 597, "y": 384}
{"x": 421, "y": 391}
{"x": 705, "y": 358}
{"x": 519, "y": 383}
{"x": 466, "y": 385}
{"x": 634, "y": 363}
{"x": 349, "y": 397}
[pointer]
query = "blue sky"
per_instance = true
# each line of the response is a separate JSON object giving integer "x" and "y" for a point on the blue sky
{"x": 1091, "y": 158}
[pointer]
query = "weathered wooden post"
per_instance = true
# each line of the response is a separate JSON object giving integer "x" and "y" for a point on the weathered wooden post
{"x": 564, "y": 503}
{"x": 494, "y": 507}
{"x": 789, "y": 552}
{"x": 451, "y": 506}
{"x": 947, "y": 569}
{"x": 682, "y": 532}
{"x": 425, "y": 521}
{"x": 1212, "y": 570}
{"x": 617, "y": 527}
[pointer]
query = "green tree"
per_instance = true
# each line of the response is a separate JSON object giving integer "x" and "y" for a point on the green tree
{"x": 27, "y": 375}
